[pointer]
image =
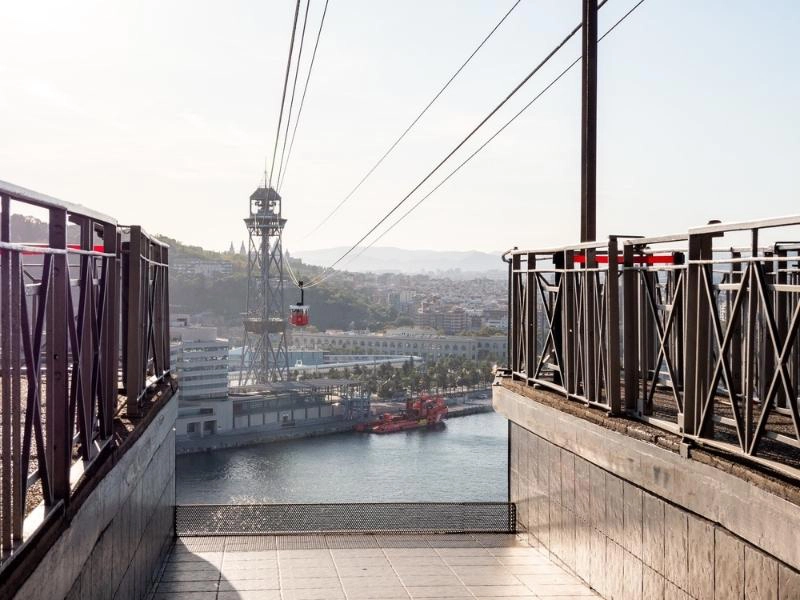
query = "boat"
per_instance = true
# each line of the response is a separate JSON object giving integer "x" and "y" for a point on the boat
{"x": 424, "y": 412}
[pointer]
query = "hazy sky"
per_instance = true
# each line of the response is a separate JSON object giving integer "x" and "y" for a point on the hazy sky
{"x": 161, "y": 113}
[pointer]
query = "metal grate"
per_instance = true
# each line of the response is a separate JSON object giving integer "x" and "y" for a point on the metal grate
{"x": 384, "y": 517}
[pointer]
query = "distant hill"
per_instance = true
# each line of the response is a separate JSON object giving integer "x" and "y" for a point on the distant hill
{"x": 387, "y": 259}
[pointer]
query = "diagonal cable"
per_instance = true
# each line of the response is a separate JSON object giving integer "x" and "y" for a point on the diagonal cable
{"x": 414, "y": 122}
{"x": 303, "y": 97}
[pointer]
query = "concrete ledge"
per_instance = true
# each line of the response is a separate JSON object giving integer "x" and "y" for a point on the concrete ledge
{"x": 761, "y": 518}
{"x": 130, "y": 491}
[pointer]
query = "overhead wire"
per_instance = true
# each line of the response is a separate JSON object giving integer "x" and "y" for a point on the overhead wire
{"x": 486, "y": 143}
{"x": 294, "y": 89}
{"x": 483, "y": 121}
{"x": 283, "y": 96}
{"x": 303, "y": 97}
{"x": 413, "y": 123}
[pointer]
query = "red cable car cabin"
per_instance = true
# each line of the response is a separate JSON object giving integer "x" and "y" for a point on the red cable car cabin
{"x": 298, "y": 313}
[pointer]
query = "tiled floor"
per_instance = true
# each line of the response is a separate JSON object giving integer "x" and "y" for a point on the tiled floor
{"x": 362, "y": 567}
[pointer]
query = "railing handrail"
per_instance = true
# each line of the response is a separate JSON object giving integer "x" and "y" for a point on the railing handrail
{"x": 44, "y": 201}
{"x": 126, "y": 229}
{"x": 746, "y": 225}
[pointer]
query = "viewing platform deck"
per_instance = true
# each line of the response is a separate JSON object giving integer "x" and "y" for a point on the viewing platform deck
{"x": 356, "y": 567}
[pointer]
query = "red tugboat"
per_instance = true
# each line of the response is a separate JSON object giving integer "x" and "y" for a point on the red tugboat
{"x": 426, "y": 411}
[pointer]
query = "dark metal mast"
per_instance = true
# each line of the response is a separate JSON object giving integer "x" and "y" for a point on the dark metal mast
{"x": 264, "y": 355}
{"x": 589, "y": 124}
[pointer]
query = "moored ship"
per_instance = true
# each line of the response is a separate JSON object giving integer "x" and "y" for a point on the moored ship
{"x": 426, "y": 411}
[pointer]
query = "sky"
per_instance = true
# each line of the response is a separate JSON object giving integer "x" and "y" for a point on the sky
{"x": 162, "y": 114}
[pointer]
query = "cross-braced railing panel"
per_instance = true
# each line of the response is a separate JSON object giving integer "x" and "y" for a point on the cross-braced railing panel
{"x": 746, "y": 389}
{"x": 654, "y": 330}
{"x": 145, "y": 293}
{"x": 563, "y": 304}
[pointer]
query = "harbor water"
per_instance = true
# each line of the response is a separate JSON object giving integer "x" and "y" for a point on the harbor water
{"x": 466, "y": 461}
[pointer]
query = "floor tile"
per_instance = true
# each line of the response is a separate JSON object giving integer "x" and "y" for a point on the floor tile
{"x": 439, "y": 591}
{"x": 500, "y": 591}
{"x": 430, "y": 580}
{"x": 376, "y": 592}
{"x": 486, "y": 560}
{"x": 313, "y": 594}
{"x": 187, "y": 586}
{"x": 499, "y": 578}
{"x": 190, "y": 576}
{"x": 297, "y": 583}
{"x": 246, "y": 585}
{"x": 185, "y": 596}
{"x": 250, "y": 595}
{"x": 551, "y": 590}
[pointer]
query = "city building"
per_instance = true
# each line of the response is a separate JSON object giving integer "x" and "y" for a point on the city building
{"x": 207, "y": 268}
{"x": 404, "y": 341}
{"x": 200, "y": 360}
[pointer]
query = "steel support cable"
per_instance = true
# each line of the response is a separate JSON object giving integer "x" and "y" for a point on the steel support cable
{"x": 283, "y": 96}
{"x": 292, "y": 275}
{"x": 413, "y": 123}
{"x": 487, "y": 142}
{"x": 430, "y": 174}
{"x": 303, "y": 97}
{"x": 294, "y": 89}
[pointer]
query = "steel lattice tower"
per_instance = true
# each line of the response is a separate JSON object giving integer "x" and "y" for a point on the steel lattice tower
{"x": 264, "y": 355}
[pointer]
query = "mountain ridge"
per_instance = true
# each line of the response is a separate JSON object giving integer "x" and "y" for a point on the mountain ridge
{"x": 400, "y": 260}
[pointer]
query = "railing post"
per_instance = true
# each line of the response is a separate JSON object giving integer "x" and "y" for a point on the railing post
{"x": 59, "y": 427}
{"x": 697, "y": 336}
{"x": 782, "y": 315}
{"x": 110, "y": 342}
{"x": 6, "y": 328}
{"x": 165, "y": 308}
{"x": 630, "y": 314}
{"x": 613, "y": 325}
{"x": 515, "y": 313}
{"x": 85, "y": 400}
{"x": 587, "y": 339}
{"x": 568, "y": 358}
{"x": 750, "y": 344}
{"x": 532, "y": 330}
{"x": 691, "y": 406}
{"x": 134, "y": 371}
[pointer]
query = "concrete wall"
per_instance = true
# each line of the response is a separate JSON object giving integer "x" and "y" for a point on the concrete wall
{"x": 116, "y": 540}
{"x": 637, "y": 521}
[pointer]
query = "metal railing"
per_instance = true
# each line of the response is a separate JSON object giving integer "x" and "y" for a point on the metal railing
{"x": 355, "y": 517}
{"x": 61, "y": 335}
{"x": 694, "y": 333}
{"x": 563, "y": 315}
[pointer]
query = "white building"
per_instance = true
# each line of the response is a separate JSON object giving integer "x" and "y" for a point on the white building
{"x": 200, "y": 360}
{"x": 418, "y": 342}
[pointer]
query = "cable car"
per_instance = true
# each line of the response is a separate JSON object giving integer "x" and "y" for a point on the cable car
{"x": 298, "y": 313}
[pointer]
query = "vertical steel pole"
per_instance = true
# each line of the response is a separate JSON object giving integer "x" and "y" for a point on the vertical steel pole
{"x": 589, "y": 124}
